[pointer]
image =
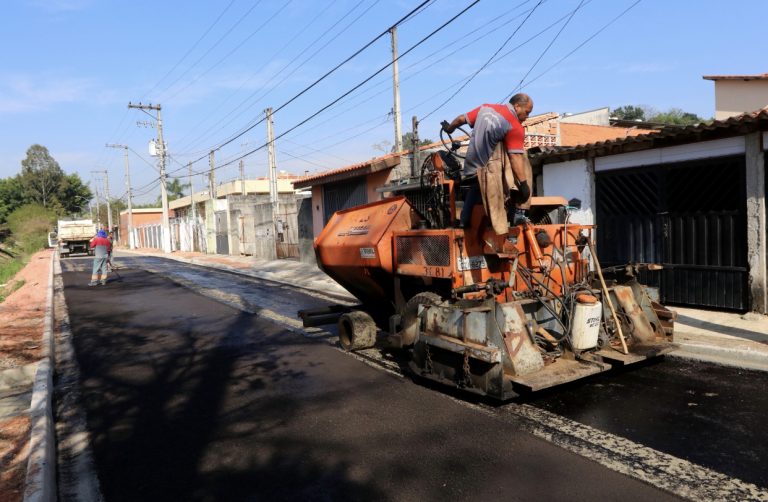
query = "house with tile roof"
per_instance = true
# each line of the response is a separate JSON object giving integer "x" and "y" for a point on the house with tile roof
{"x": 690, "y": 198}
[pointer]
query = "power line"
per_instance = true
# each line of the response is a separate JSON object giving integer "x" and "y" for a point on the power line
{"x": 237, "y": 47}
{"x": 581, "y": 4}
{"x": 303, "y": 29}
{"x": 189, "y": 51}
{"x": 253, "y": 96}
{"x": 441, "y": 27}
{"x": 487, "y": 62}
{"x": 583, "y": 43}
{"x": 216, "y": 44}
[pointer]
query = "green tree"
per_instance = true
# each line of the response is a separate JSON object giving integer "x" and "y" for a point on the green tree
{"x": 175, "y": 191}
{"x": 408, "y": 141}
{"x": 73, "y": 194}
{"x": 676, "y": 116}
{"x": 629, "y": 112}
{"x": 41, "y": 176}
{"x": 29, "y": 226}
{"x": 11, "y": 196}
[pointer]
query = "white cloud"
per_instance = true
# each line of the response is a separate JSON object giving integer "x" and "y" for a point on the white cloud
{"x": 23, "y": 93}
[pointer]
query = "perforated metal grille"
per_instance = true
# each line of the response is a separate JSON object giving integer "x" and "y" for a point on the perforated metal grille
{"x": 432, "y": 250}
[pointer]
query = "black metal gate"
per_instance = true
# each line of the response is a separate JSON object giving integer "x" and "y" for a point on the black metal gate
{"x": 689, "y": 216}
{"x": 222, "y": 233}
{"x": 338, "y": 196}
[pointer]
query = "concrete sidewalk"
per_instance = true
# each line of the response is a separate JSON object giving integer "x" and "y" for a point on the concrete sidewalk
{"x": 727, "y": 338}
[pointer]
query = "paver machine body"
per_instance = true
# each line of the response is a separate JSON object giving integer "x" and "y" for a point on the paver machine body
{"x": 494, "y": 314}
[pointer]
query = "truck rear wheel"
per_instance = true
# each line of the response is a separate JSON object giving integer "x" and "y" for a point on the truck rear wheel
{"x": 357, "y": 331}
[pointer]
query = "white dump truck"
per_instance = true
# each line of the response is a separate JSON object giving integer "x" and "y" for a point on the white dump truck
{"x": 73, "y": 236}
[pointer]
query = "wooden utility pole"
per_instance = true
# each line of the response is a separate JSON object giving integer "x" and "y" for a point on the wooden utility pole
{"x": 131, "y": 242}
{"x": 396, "y": 92}
{"x": 166, "y": 230}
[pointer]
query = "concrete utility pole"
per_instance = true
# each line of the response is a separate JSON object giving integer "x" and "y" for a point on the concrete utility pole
{"x": 212, "y": 176}
{"x": 193, "y": 225}
{"x": 396, "y": 91}
{"x": 242, "y": 177}
{"x": 416, "y": 166}
{"x": 166, "y": 237}
{"x": 95, "y": 182}
{"x": 106, "y": 195}
{"x": 131, "y": 243}
{"x": 273, "y": 194}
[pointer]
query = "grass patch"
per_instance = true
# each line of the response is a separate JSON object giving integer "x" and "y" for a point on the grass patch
{"x": 8, "y": 289}
{"x": 9, "y": 268}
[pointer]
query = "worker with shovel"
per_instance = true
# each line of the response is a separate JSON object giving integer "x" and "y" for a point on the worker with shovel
{"x": 102, "y": 249}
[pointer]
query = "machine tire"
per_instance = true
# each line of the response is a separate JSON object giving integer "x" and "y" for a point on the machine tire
{"x": 357, "y": 331}
{"x": 411, "y": 321}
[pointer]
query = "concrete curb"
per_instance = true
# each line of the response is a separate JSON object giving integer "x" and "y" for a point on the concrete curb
{"x": 340, "y": 293}
{"x": 18, "y": 377}
{"x": 40, "y": 485}
{"x": 726, "y": 356}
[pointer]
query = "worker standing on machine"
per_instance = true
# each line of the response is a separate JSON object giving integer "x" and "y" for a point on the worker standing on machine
{"x": 492, "y": 175}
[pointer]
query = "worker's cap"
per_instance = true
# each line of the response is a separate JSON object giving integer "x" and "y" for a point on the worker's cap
{"x": 101, "y": 233}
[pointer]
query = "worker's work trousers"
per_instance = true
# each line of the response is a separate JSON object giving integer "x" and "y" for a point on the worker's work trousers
{"x": 99, "y": 270}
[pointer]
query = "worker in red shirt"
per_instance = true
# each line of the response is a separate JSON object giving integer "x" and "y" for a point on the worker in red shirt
{"x": 496, "y": 127}
{"x": 102, "y": 248}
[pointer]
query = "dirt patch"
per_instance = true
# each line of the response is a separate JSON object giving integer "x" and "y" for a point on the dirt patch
{"x": 22, "y": 314}
{"x": 22, "y": 318}
{"x": 14, "y": 450}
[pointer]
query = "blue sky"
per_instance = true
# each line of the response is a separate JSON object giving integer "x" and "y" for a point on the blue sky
{"x": 70, "y": 67}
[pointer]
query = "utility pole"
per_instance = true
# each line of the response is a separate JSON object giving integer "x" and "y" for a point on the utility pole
{"x": 416, "y": 166}
{"x": 98, "y": 201}
{"x": 106, "y": 194}
{"x": 161, "y": 153}
{"x": 242, "y": 177}
{"x": 193, "y": 226}
{"x": 131, "y": 243}
{"x": 273, "y": 194}
{"x": 212, "y": 176}
{"x": 396, "y": 91}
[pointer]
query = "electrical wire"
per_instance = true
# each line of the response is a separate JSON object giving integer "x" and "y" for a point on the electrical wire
{"x": 546, "y": 49}
{"x": 441, "y": 27}
{"x": 292, "y": 38}
{"x": 582, "y": 44}
{"x": 227, "y": 55}
{"x": 287, "y": 65}
{"x": 487, "y": 62}
{"x": 189, "y": 51}
{"x": 313, "y": 84}
{"x": 216, "y": 44}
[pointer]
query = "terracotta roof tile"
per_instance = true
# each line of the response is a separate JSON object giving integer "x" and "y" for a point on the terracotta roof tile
{"x": 762, "y": 76}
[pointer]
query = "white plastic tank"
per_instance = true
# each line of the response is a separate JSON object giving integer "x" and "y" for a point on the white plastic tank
{"x": 585, "y": 325}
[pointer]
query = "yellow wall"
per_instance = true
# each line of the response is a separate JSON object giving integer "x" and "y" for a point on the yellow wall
{"x": 734, "y": 97}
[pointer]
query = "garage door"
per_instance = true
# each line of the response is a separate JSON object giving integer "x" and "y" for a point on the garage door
{"x": 688, "y": 216}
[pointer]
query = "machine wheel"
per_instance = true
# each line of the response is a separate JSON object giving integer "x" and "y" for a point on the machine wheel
{"x": 357, "y": 331}
{"x": 411, "y": 320}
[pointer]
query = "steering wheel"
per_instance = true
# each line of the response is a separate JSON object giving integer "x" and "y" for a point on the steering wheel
{"x": 454, "y": 148}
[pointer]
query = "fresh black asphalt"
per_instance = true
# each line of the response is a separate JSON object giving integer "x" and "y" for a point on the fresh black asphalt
{"x": 188, "y": 399}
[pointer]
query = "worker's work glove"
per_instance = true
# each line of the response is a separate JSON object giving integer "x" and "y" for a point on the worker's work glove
{"x": 446, "y": 126}
{"x": 523, "y": 192}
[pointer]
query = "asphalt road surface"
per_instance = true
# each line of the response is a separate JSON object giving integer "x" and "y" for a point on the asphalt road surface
{"x": 190, "y": 399}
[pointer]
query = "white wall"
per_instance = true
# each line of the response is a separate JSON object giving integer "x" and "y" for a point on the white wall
{"x": 571, "y": 179}
{"x": 679, "y": 153}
